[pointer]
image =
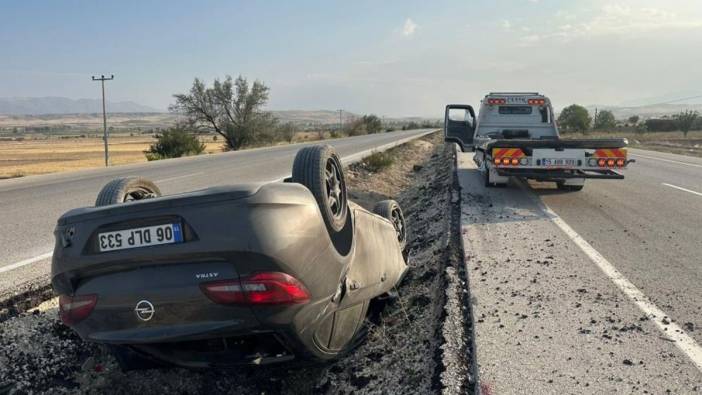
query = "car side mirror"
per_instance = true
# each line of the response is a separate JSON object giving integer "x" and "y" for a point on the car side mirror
{"x": 459, "y": 125}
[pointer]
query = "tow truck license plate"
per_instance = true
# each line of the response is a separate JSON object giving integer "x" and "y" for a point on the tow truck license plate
{"x": 558, "y": 162}
{"x": 140, "y": 237}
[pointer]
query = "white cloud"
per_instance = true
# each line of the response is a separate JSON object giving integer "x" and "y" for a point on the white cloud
{"x": 613, "y": 19}
{"x": 507, "y": 25}
{"x": 409, "y": 27}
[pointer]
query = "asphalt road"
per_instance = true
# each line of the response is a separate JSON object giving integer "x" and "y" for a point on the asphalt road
{"x": 564, "y": 283}
{"x": 30, "y": 206}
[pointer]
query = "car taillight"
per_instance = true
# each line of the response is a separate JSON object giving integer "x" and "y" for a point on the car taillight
{"x": 536, "y": 102}
{"x": 259, "y": 288}
{"x": 493, "y": 102}
{"x": 73, "y": 309}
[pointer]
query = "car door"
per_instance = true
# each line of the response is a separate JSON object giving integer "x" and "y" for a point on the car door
{"x": 459, "y": 125}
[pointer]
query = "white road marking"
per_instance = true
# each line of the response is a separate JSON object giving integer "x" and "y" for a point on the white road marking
{"x": 26, "y": 262}
{"x": 178, "y": 177}
{"x": 682, "y": 189}
{"x": 671, "y": 330}
{"x": 666, "y": 160}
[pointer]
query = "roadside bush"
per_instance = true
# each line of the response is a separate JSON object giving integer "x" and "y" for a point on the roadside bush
{"x": 286, "y": 131}
{"x": 378, "y": 161}
{"x": 365, "y": 125}
{"x": 661, "y": 125}
{"x": 174, "y": 143}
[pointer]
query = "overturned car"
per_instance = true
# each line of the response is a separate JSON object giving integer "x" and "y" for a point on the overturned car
{"x": 250, "y": 274}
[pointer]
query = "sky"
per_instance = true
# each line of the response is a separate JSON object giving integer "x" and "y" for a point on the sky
{"x": 392, "y": 58}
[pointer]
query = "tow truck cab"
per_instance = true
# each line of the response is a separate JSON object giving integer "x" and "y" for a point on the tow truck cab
{"x": 516, "y": 135}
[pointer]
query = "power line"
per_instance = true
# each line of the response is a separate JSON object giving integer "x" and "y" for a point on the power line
{"x": 102, "y": 80}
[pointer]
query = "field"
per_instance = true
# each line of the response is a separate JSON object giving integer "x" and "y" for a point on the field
{"x": 29, "y": 157}
{"x": 672, "y": 142}
{"x": 50, "y": 155}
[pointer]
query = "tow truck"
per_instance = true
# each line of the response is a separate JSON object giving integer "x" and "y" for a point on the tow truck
{"x": 516, "y": 135}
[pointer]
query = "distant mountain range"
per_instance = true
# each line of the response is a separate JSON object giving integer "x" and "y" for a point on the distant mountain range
{"x": 64, "y": 105}
{"x": 649, "y": 111}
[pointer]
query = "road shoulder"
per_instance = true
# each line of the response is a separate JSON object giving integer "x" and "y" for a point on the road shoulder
{"x": 547, "y": 320}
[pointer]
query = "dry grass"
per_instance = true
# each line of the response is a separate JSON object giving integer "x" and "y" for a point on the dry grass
{"x": 672, "y": 142}
{"x": 41, "y": 156}
{"x": 31, "y": 157}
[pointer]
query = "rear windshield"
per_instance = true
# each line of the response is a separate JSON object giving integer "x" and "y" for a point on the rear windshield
{"x": 515, "y": 110}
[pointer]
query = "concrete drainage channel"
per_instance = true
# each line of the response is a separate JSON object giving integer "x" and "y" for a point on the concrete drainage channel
{"x": 420, "y": 343}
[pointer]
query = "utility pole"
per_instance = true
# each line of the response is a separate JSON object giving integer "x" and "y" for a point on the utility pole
{"x": 594, "y": 120}
{"x": 340, "y": 122}
{"x": 102, "y": 80}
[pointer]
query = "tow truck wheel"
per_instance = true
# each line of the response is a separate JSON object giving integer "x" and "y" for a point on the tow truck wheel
{"x": 488, "y": 184}
{"x": 569, "y": 188}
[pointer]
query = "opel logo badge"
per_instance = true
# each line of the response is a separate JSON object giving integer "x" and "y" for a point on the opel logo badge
{"x": 144, "y": 310}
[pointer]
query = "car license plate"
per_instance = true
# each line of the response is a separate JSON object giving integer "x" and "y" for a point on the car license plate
{"x": 517, "y": 100}
{"x": 140, "y": 237}
{"x": 558, "y": 162}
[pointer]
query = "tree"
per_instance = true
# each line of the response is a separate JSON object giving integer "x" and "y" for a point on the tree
{"x": 634, "y": 119}
{"x": 364, "y": 125}
{"x": 685, "y": 120}
{"x": 574, "y": 118}
{"x": 605, "y": 120}
{"x": 372, "y": 123}
{"x": 231, "y": 108}
{"x": 174, "y": 143}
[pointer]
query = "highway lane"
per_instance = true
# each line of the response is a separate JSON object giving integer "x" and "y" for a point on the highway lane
{"x": 650, "y": 231}
{"x": 553, "y": 315}
{"x": 31, "y": 205}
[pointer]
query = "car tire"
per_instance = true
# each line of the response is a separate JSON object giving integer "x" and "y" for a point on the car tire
{"x": 319, "y": 169}
{"x": 568, "y": 188}
{"x": 126, "y": 189}
{"x": 390, "y": 210}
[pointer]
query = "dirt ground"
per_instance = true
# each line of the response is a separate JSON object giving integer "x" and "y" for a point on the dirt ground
{"x": 404, "y": 352}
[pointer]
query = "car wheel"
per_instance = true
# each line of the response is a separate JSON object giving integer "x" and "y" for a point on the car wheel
{"x": 391, "y": 210}
{"x": 319, "y": 169}
{"x": 126, "y": 189}
{"x": 569, "y": 188}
